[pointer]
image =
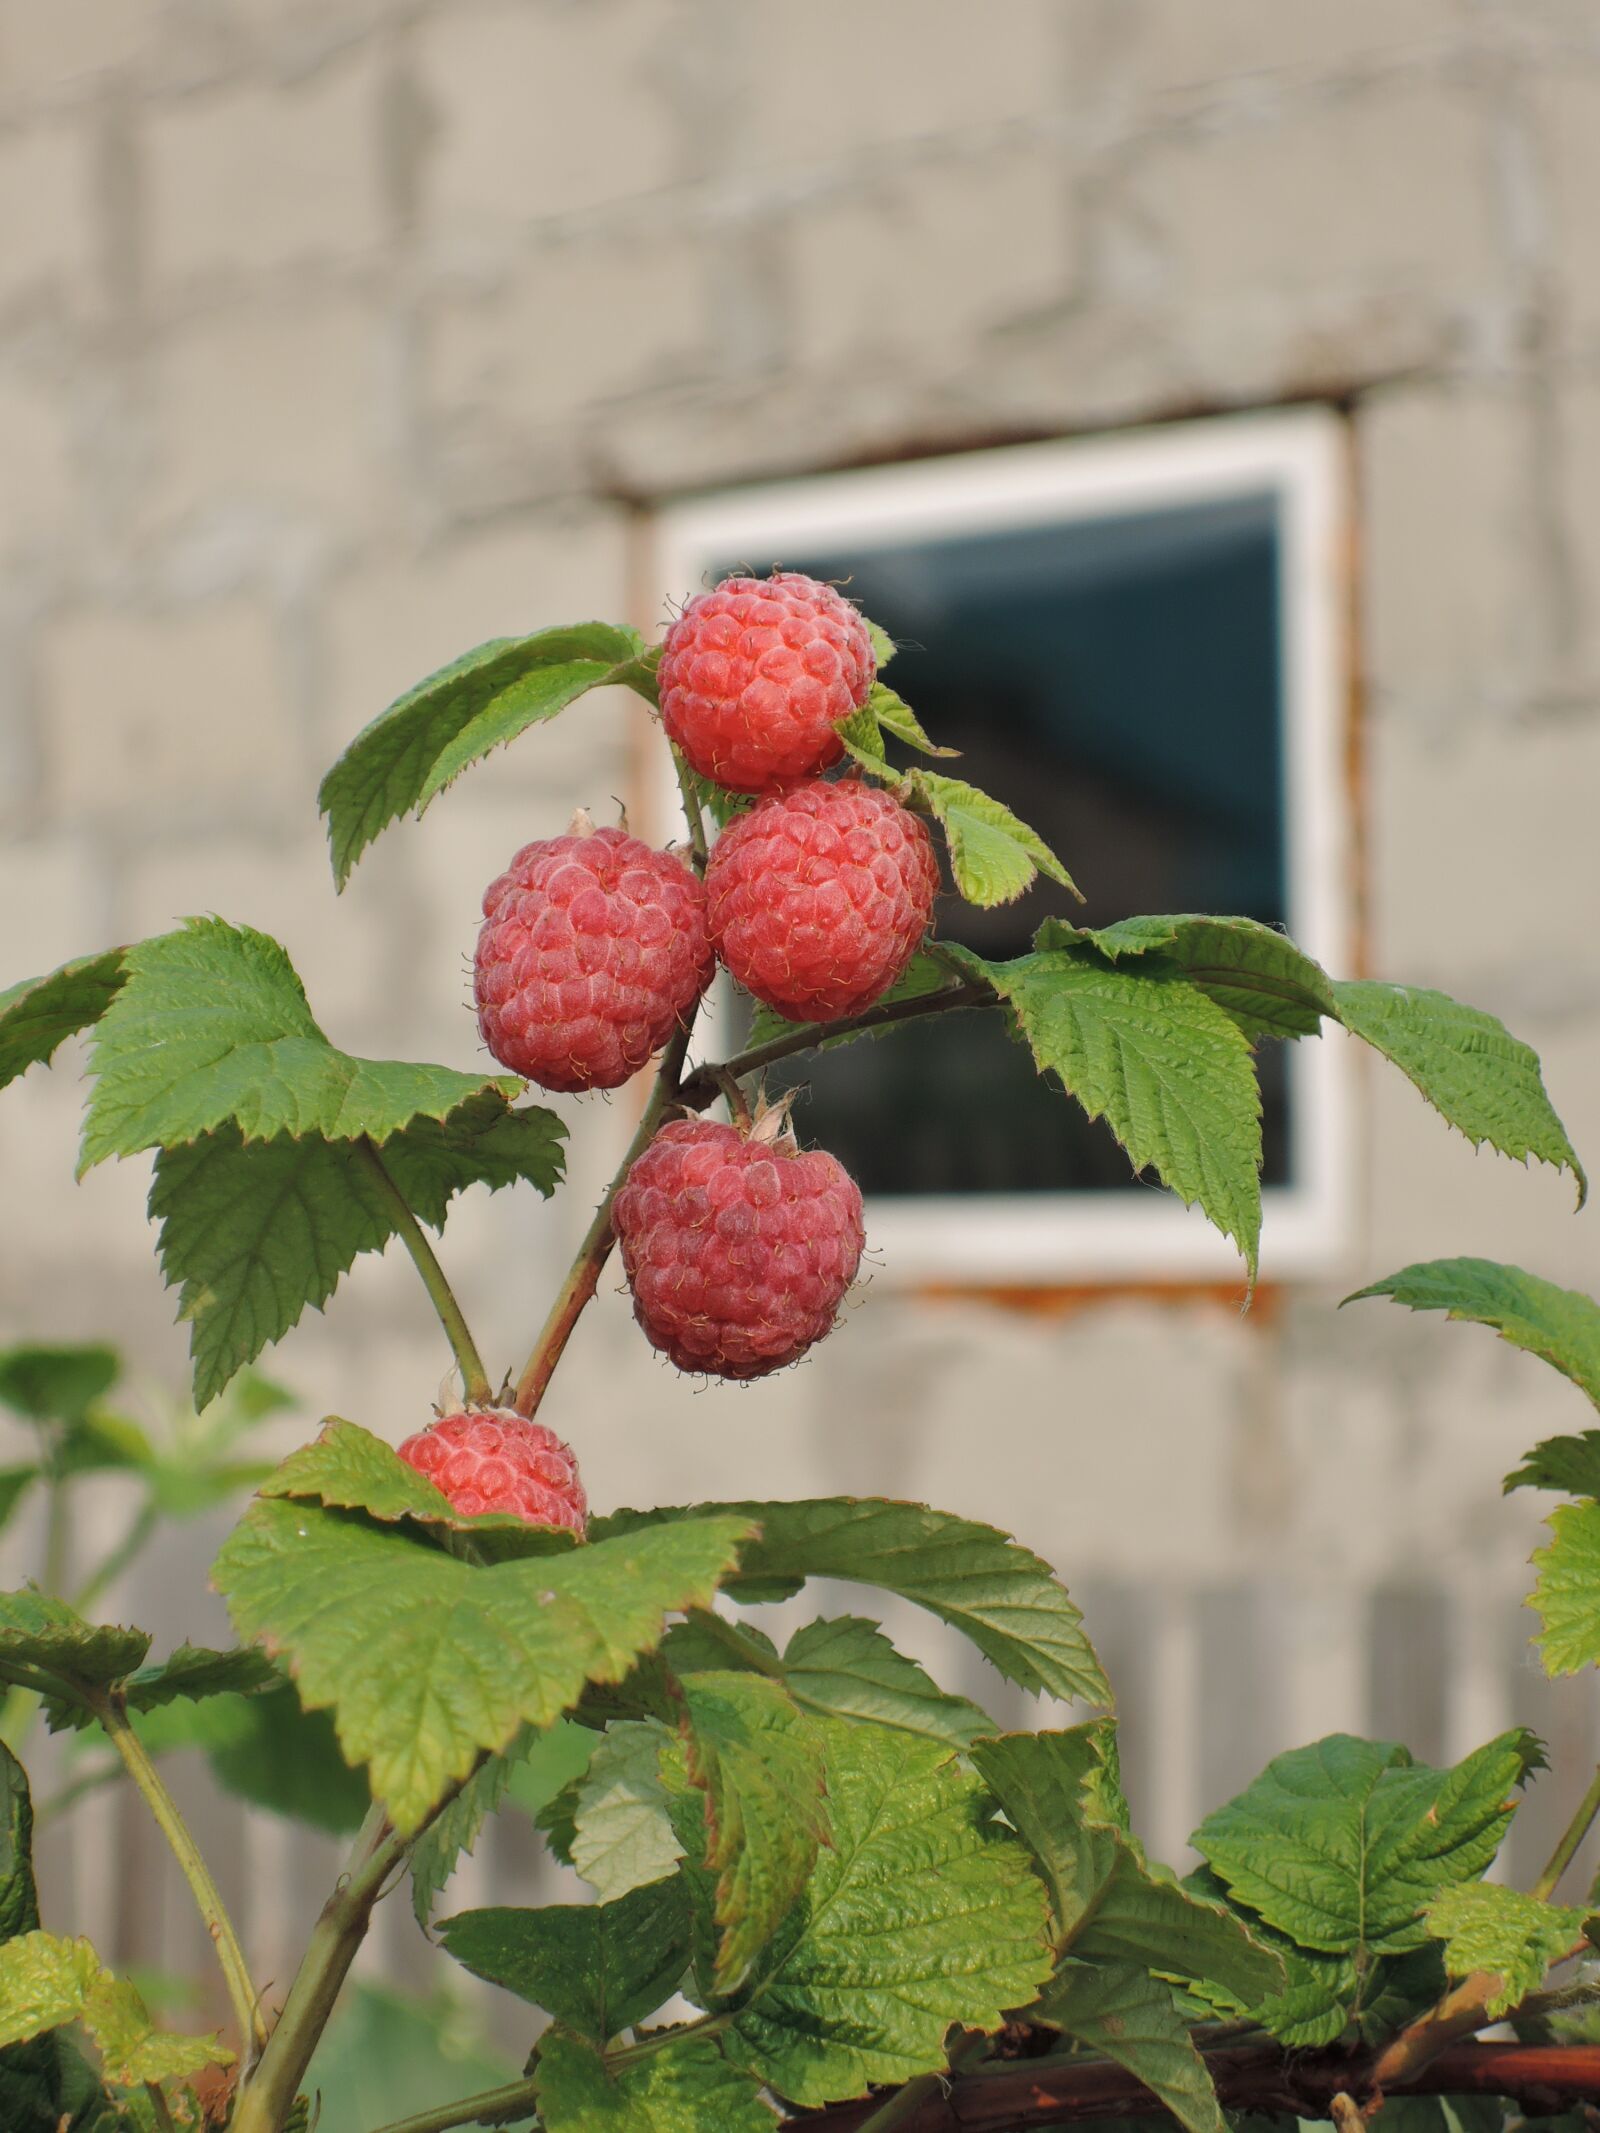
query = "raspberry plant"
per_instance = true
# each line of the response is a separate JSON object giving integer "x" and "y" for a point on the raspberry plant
{"x": 879, "y": 1909}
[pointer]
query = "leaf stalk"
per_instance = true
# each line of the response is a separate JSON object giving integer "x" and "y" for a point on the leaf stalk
{"x": 242, "y": 1994}
{"x": 583, "y": 1276}
{"x": 1571, "y": 1837}
{"x": 475, "y": 1378}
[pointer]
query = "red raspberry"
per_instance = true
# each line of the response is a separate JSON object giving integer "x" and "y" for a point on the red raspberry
{"x": 755, "y": 677}
{"x": 738, "y": 1250}
{"x": 820, "y": 897}
{"x": 493, "y": 1459}
{"x": 593, "y": 948}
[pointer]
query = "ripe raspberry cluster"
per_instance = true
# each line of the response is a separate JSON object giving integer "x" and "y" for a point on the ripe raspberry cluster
{"x": 756, "y": 675}
{"x": 493, "y": 1459}
{"x": 593, "y": 948}
{"x": 738, "y": 1249}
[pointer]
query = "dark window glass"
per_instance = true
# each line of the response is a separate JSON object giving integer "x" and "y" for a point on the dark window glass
{"x": 1116, "y": 681}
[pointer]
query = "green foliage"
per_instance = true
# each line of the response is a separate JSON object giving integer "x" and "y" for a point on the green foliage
{"x": 1109, "y": 1905}
{"x": 1478, "y": 1077}
{"x": 46, "y": 1981}
{"x": 19, "y": 1897}
{"x": 1152, "y": 1054}
{"x": 56, "y": 1384}
{"x": 254, "y": 1232}
{"x": 758, "y": 1760}
{"x": 597, "y": 1967}
{"x": 265, "y": 1749}
{"x": 994, "y": 856}
{"x": 191, "y": 1672}
{"x": 980, "y": 1581}
{"x": 41, "y": 1013}
{"x": 1340, "y": 1845}
{"x": 1253, "y": 973}
{"x": 37, "y": 1632}
{"x": 1566, "y": 1596}
{"x": 426, "y": 738}
{"x": 212, "y": 1028}
{"x": 427, "y": 1661}
{"x": 1571, "y": 1464}
{"x": 922, "y": 1913}
{"x": 1120, "y": 2010}
{"x": 1560, "y": 1325}
{"x": 885, "y": 713}
{"x": 685, "y": 2087}
{"x": 847, "y": 1668}
{"x": 922, "y": 976}
{"x": 1515, "y": 1937}
{"x": 623, "y": 1836}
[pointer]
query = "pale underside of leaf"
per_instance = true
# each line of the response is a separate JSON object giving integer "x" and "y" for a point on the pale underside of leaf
{"x": 1477, "y": 1076}
{"x": 1566, "y": 1596}
{"x": 623, "y": 1835}
{"x": 1516, "y": 1938}
{"x": 1560, "y": 1326}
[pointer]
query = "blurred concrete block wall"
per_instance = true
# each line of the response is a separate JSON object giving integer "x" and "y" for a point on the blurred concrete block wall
{"x": 337, "y": 335}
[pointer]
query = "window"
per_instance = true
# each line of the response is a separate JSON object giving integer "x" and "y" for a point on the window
{"x": 1135, "y": 642}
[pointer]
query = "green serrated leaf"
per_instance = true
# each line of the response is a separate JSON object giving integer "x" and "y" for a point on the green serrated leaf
{"x": 685, "y": 2087}
{"x": 46, "y": 1982}
{"x": 425, "y": 1660}
{"x": 923, "y": 1913}
{"x": 1514, "y": 1937}
{"x": 191, "y": 1673}
{"x": 1477, "y": 1076}
{"x": 883, "y": 645}
{"x": 1254, "y": 973}
{"x": 266, "y": 1749}
{"x": 255, "y": 1232}
{"x": 19, "y": 1897}
{"x": 1561, "y": 1326}
{"x": 1570, "y": 1464}
{"x": 996, "y": 1592}
{"x": 758, "y": 1760}
{"x": 48, "y": 1383}
{"x": 41, "y": 1013}
{"x": 1342, "y": 1844}
{"x": 426, "y": 738}
{"x": 1169, "y": 1071}
{"x": 39, "y": 1632}
{"x": 1110, "y": 1905}
{"x": 596, "y": 1967}
{"x": 1566, "y": 1597}
{"x": 454, "y": 1831}
{"x": 994, "y": 856}
{"x": 895, "y": 716}
{"x": 847, "y": 1668}
{"x": 623, "y": 1836}
{"x": 212, "y": 1028}
{"x": 1120, "y": 2010}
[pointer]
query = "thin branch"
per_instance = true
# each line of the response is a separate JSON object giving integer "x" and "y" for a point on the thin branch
{"x": 268, "y": 2093}
{"x": 703, "y": 1086}
{"x": 1022, "y": 2095}
{"x": 691, "y": 811}
{"x": 518, "y": 2098}
{"x": 583, "y": 1276}
{"x": 474, "y": 1377}
{"x": 242, "y": 1993}
{"x": 1571, "y": 1837}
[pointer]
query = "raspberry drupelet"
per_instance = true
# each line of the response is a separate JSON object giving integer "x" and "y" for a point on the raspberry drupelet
{"x": 593, "y": 950}
{"x": 819, "y": 898}
{"x": 493, "y": 1459}
{"x": 737, "y": 1247}
{"x": 756, "y": 675}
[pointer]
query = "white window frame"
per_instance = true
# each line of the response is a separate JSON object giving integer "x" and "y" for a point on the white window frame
{"x": 1072, "y": 1239}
